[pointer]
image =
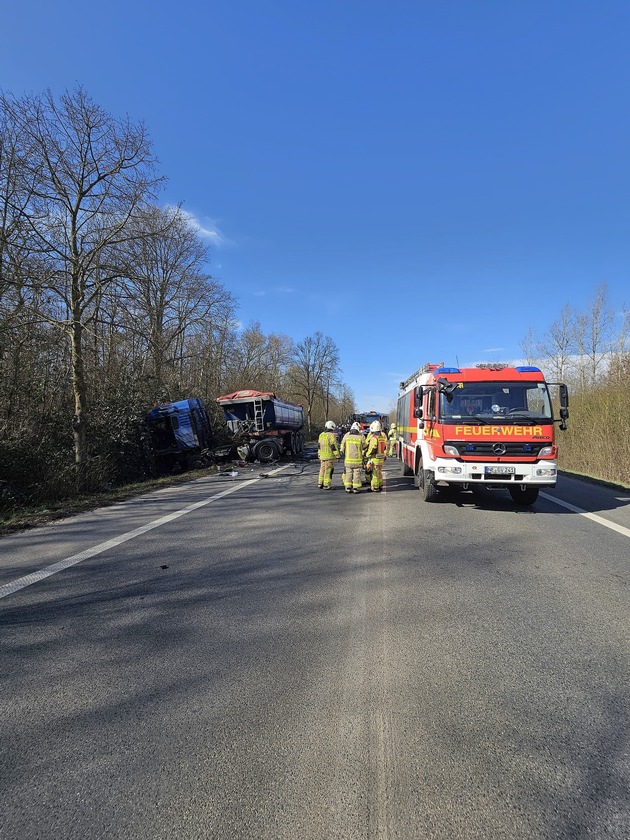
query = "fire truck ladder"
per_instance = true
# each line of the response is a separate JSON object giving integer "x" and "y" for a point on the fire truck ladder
{"x": 424, "y": 369}
{"x": 259, "y": 415}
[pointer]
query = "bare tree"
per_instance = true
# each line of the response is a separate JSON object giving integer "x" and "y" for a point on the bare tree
{"x": 343, "y": 404}
{"x": 14, "y": 251}
{"x": 32, "y": 362}
{"x": 216, "y": 352}
{"x": 259, "y": 361}
{"x": 314, "y": 369}
{"x": 86, "y": 175}
{"x": 559, "y": 347}
{"x": 528, "y": 346}
{"x": 620, "y": 363}
{"x": 595, "y": 337}
{"x": 169, "y": 296}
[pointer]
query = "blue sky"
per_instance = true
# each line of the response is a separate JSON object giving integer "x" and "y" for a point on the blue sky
{"x": 422, "y": 180}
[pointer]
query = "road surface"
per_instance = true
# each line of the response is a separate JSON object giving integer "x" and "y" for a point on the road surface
{"x": 251, "y": 657}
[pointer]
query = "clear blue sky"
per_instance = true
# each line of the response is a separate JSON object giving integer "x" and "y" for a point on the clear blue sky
{"x": 421, "y": 180}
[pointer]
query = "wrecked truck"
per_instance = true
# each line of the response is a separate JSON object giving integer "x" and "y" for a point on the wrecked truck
{"x": 180, "y": 437}
{"x": 258, "y": 427}
{"x": 263, "y": 426}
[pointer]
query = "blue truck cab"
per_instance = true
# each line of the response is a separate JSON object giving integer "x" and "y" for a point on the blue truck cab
{"x": 179, "y": 433}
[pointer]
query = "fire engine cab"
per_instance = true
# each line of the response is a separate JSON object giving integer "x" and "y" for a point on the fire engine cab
{"x": 490, "y": 426}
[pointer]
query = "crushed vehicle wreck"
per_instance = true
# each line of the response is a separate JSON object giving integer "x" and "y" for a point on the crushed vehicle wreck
{"x": 263, "y": 426}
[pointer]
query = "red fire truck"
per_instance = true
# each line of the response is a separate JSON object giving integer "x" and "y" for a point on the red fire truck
{"x": 490, "y": 426}
{"x": 366, "y": 418}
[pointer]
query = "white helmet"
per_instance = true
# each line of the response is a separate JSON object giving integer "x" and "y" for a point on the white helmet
{"x": 393, "y": 426}
{"x": 355, "y": 427}
{"x": 375, "y": 426}
{"x": 330, "y": 425}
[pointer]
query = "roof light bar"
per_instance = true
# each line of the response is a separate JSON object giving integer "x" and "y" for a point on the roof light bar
{"x": 491, "y": 365}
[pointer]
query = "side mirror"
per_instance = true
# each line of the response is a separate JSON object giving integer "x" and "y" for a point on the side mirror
{"x": 564, "y": 406}
{"x": 417, "y": 403}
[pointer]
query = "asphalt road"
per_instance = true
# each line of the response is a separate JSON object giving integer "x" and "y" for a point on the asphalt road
{"x": 255, "y": 658}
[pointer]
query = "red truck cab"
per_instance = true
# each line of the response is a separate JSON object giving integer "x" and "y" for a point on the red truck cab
{"x": 490, "y": 426}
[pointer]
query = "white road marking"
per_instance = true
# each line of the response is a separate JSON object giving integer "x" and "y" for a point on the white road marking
{"x": 35, "y": 577}
{"x": 599, "y": 519}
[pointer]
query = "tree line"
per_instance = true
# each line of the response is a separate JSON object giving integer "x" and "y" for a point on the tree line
{"x": 589, "y": 349}
{"x": 107, "y": 306}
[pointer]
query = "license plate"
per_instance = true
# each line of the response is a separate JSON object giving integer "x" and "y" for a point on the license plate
{"x": 500, "y": 470}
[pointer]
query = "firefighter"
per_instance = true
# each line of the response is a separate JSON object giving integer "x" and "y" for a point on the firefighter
{"x": 328, "y": 452}
{"x": 392, "y": 436}
{"x": 353, "y": 449}
{"x": 376, "y": 452}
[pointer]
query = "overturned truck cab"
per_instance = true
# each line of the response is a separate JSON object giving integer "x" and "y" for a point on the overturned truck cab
{"x": 263, "y": 426}
{"x": 179, "y": 436}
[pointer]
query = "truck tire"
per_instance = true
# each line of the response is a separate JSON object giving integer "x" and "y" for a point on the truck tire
{"x": 524, "y": 495}
{"x": 267, "y": 450}
{"x": 426, "y": 485}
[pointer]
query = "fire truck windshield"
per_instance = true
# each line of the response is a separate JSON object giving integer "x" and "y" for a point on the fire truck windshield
{"x": 510, "y": 402}
{"x": 368, "y": 417}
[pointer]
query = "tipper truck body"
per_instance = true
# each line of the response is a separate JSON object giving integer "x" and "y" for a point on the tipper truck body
{"x": 263, "y": 426}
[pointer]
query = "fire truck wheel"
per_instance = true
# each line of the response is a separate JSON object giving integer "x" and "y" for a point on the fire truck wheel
{"x": 524, "y": 495}
{"x": 427, "y": 486}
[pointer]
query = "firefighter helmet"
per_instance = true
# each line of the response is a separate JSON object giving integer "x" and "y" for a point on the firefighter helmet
{"x": 393, "y": 426}
{"x": 355, "y": 427}
{"x": 375, "y": 426}
{"x": 330, "y": 425}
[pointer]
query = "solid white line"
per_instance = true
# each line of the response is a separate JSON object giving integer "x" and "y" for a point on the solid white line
{"x": 35, "y": 577}
{"x": 599, "y": 519}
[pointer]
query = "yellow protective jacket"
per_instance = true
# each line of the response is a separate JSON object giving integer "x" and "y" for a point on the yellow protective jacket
{"x": 392, "y": 434}
{"x": 353, "y": 447}
{"x": 327, "y": 446}
{"x": 376, "y": 446}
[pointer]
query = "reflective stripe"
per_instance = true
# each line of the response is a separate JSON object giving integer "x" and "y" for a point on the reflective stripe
{"x": 327, "y": 444}
{"x": 352, "y": 445}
